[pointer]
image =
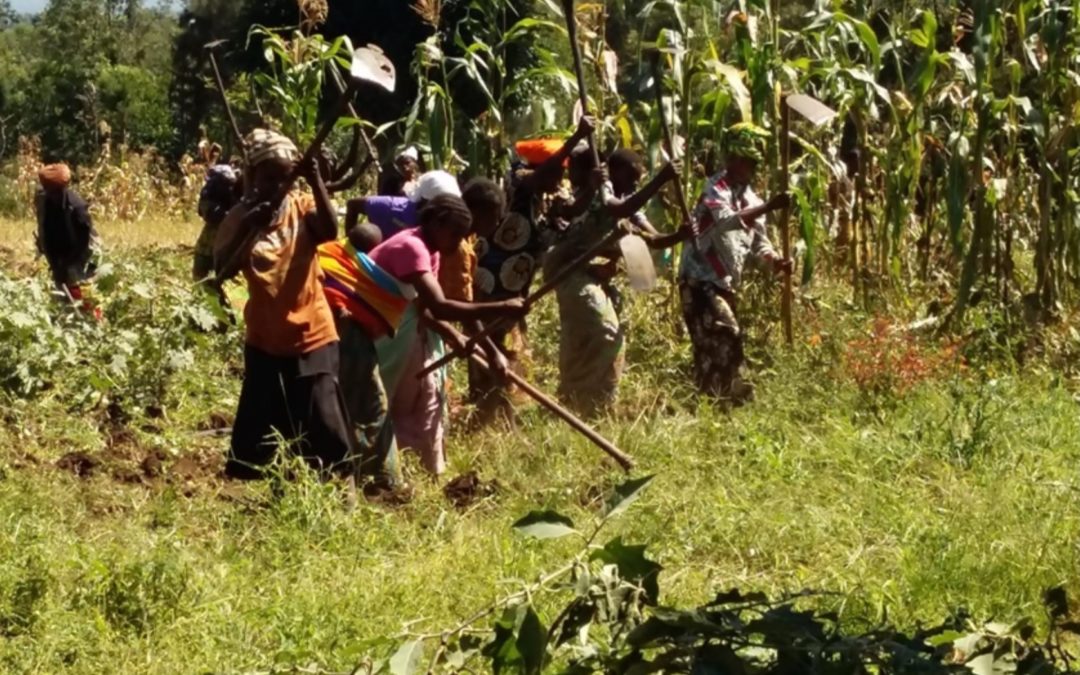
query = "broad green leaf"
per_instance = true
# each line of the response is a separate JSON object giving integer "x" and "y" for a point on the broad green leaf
{"x": 625, "y": 495}
{"x": 503, "y": 647}
{"x": 545, "y": 525}
{"x": 632, "y": 565}
{"x": 866, "y": 36}
{"x": 528, "y": 25}
{"x": 733, "y": 77}
{"x": 861, "y": 75}
{"x": 406, "y": 660}
{"x": 531, "y": 641}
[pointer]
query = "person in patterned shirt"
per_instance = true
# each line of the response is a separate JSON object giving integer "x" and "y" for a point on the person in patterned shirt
{"x": 508, "y": 255}
{"x": 731, "y": 224}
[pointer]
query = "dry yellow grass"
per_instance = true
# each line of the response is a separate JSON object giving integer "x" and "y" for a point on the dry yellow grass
{"x": 118, "y": 236}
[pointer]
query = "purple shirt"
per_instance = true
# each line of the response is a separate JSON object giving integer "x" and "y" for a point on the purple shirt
{"x": 391, "y": 214}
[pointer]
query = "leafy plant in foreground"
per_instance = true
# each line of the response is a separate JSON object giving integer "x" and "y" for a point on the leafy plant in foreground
{"x": 613, "y": 623}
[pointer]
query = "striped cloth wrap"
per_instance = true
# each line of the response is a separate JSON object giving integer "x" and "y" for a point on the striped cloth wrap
{"x": 353, "y": 283}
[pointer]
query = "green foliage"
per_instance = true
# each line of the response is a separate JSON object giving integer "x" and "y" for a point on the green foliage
{"x": 612, "y": 624}
{"x": 151, "y": 332}
{"x": 135, "y": 597}
{"x": 298, "y": 75}
{"x": 87, "y": 72}
{"x": 960, "y": 496}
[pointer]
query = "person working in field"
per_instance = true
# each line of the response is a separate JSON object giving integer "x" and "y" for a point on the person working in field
{"x": 394, "y": 213}
{"x": 290, "y": 391}
{"x": 220, "y": 192}
{"x": 399, "y": 180}
{"x": 65, "y": 234}
{"x": 411, "y": 258}
{"x": 409, "y": 394}
{"x": 508, "y": 256}
{"x": 731, "y": 221}
{"x": 591, "y": 334}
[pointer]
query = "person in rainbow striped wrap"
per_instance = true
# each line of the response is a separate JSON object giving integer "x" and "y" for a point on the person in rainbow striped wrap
{"x": 378, "y": 298}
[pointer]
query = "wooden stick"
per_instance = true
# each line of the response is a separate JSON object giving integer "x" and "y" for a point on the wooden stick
{"x": 449, "y": 333}
{"x": 339, "y": 84}
{"x": 785, "y": 216}
{"x": 537, "y": 295}
{"x": 228, "y": 107}
{"x": 571, "y": 29}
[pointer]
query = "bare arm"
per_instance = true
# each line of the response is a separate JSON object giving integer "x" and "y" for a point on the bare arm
{"x": 660, "y": 241}
{"x": 432, "y": 299}
{"x": 353, "y": 209}
{"x": 323, "y": 222}
{"x": 585, "y": 127}
{"x": 626, "y": 207}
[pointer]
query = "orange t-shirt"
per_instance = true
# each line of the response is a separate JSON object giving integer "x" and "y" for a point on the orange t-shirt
{"x": 456, "y": 272}
{"x": 287, "y": 313}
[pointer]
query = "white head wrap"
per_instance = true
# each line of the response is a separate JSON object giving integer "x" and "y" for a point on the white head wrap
{"x": 435, "y": 183}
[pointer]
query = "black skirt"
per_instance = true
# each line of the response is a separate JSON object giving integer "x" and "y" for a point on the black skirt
{"x": 291, "y": 403}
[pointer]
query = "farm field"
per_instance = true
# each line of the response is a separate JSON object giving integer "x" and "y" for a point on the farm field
{"x": 905, "y": 491}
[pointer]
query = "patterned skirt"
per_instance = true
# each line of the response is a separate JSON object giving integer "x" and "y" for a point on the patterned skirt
{"x": 717, "y": 340}
{"x": 591, "y": 343}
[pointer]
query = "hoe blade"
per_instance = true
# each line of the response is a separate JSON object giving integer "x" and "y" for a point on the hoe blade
{"x": 370, "y": 64}
{"x": 816, "y": 112}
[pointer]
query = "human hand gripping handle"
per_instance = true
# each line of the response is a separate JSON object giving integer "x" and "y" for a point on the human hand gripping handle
{"x": 779, "y": 201}
{"x": 517, "y": 308}
{"x": 585, "y": 127}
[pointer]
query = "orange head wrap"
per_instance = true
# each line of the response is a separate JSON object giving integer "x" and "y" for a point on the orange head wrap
{"x": 538, "y": 150}
{"x": 56, "y": 176}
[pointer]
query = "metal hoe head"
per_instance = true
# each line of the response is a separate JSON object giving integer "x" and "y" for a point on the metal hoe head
{"x": 815, "y": 112}
{"x": 370, "y": 64}
{"x": 639, "y": 263}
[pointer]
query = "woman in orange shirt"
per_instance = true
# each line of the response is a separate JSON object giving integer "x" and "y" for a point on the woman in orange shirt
{"x": 290, "y": 394}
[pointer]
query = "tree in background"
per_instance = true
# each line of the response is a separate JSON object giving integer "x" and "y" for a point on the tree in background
{"x": 85, "y": 73}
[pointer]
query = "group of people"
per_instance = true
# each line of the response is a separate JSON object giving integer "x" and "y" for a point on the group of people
{"x": 342, "y": 323}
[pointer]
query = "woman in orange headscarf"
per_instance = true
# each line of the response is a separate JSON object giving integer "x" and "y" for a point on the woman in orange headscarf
{"x": 65, "y": 234}
{"x": 509, "y": 251}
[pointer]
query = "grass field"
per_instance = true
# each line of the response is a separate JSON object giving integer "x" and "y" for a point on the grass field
{"x": 958, "y": 492}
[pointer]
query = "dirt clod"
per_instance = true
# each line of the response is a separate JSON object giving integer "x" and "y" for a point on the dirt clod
{"x": 185, "y": 468}
{"x": 467, "y": 489}
{"x": 127, "y": 475}
{"x": 153, "y": 464}
{"x": 217, "y": 421}
{"x": 78, "y": 463}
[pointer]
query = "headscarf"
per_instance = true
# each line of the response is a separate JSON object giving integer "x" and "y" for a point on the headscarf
{"x": 538, "y": 150}
{"x": 746, "y": 140}
{"x": 409, "y": 153}
{"x": 433, "y": 184}
{"x": 264, "y": 144}
{"x": 56, "y": 176}
{"x": 222, "y": 172}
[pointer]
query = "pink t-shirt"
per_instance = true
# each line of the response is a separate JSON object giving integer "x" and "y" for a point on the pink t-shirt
{"x": 405, "y": 254}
